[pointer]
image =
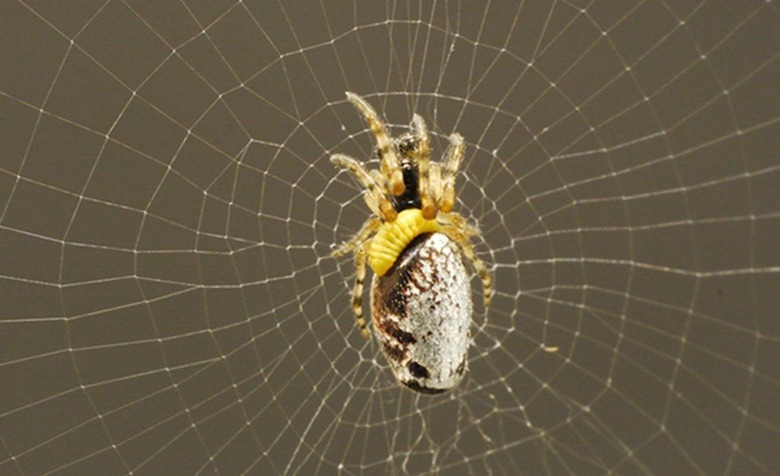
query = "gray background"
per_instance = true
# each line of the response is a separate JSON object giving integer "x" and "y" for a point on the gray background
{"x": 167, "y": 300}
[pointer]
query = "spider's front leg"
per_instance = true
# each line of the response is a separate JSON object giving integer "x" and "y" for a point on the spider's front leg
{"x": 390, "y": 164}
{"x": 423, "y": 157}
{"x": 435, "y": 185}
{"x": 454, "y": 156}
{"x": 384, "y": 208}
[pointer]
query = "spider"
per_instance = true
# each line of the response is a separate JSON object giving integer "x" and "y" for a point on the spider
{"x": 414, "y": 242}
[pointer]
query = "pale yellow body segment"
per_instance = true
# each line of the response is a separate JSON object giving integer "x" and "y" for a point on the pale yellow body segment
{"x": 393, "y": 237}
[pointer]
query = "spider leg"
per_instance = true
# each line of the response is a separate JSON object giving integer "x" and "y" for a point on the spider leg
{"x": 420, "y": 131}
{"x": 380, "y": 179}
{"x": 386, "y": 210}
{"x": 357, "y": 292}
{"x": 369, "y": 228}
{"x": 461, "y": 223}
{"x": 370, "y": 200}
{"x": 484, "y": 273}
{"x": 390, "y": 164}
{"x": 372, "y": 205}
{"x": 435, "y": 183}
{"x": 454, "y": 156}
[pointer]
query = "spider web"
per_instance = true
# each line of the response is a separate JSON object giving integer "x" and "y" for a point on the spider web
{"x": 167, "y": 209}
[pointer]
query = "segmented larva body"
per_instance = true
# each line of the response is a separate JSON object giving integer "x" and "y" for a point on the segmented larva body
{"x": 422, "y": 314}
{"x": 392, "y": 238}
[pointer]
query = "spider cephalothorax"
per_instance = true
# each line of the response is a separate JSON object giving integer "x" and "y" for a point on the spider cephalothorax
{"x": 421, "y": 298}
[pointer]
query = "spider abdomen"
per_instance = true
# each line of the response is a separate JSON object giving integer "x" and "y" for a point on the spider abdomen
{"x": 422, "y": 314}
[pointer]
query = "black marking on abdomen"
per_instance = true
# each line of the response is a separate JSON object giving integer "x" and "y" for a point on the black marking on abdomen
{"x": 390, "y": 328}
{"x": 419, "y": 388}
{"x": 418, "y": 370}
{"x": 461, "y": 367}
{"x": 393, "y": 352}
{"x": 403, "y": 337}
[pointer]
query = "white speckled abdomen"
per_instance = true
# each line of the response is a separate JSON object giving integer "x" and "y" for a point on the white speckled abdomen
{"x": 422, "y": 314}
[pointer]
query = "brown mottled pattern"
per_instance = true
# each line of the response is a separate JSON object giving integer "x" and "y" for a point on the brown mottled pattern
{"x": 390, "y": 298}
{"x": 421, "y": 310}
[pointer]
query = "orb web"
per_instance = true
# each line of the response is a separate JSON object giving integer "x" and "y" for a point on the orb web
{"x": 167, "y": 212}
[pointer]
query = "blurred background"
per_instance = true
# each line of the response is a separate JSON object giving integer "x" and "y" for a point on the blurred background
{"x": 168, "y": 303}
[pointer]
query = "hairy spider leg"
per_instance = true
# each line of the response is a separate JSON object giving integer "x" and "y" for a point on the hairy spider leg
{"x": 458, "y": 221}
{"x": 423, "y": 157}
{"x": 386, "y": 210}
{"x": 390, "y": 164}
{"x": 434, "y": 181}
{"x": 357, "y": 292}
{"x": 454, "y": 156}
